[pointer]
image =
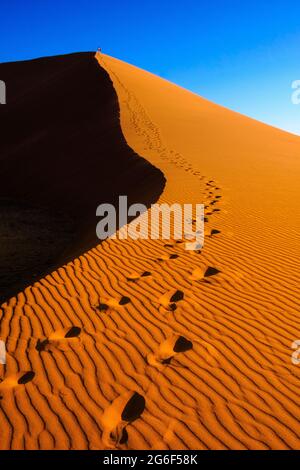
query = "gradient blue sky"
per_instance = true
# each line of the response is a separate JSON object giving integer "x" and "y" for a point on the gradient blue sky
{"x": 241, "y": 54}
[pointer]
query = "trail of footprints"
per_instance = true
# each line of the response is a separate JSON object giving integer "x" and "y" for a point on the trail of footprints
{"x": 128, "y": 407}
{"x": 149, "y": 132}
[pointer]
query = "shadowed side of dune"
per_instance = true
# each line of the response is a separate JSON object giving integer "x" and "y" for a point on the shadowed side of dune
{"x": 62, "y": 153}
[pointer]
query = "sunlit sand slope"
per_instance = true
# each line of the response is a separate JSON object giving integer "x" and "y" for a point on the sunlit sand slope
{"x": 144, "y": 345}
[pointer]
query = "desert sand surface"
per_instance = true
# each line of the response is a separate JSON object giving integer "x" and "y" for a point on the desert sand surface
{"x": 141, "y": 344}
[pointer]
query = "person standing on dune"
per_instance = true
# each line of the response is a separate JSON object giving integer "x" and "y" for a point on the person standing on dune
{"x": 99, "y": 50}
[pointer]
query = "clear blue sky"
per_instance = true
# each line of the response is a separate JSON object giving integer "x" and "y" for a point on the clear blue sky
{"x": 241, "y": 54}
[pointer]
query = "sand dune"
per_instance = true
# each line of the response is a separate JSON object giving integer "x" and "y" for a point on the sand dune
{"x": 196, "y": 353}
{"x": 62, "y": 154}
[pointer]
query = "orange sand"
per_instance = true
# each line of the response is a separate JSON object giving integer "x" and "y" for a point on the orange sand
{"x": 236, "y": 388}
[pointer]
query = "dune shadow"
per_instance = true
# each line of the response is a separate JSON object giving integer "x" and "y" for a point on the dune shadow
{"x": 62, "y": 153}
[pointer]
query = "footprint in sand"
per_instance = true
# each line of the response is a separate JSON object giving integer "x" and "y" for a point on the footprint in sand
{"x": 73, "y": 332}
{"x": 215, "y": 201}
{"x": 196, "y": 252}
{"x": 41, "y": 345}
{"x": 22, "y": 378}
{"x": 168, "y": 349}
{"x": 107, "y": 303}
{"x": 200, "y": 274}
{"x": 136, "y": 276}
{"x": 214, "y": 232}
{"x": 68, "y": 333}
{"x": 208, "y": 232}
{"x": 118, "y": 415}
{"x": 169, "y": 300}
{"x": 167, "y": 257}
{"x": 173, "y": 244}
